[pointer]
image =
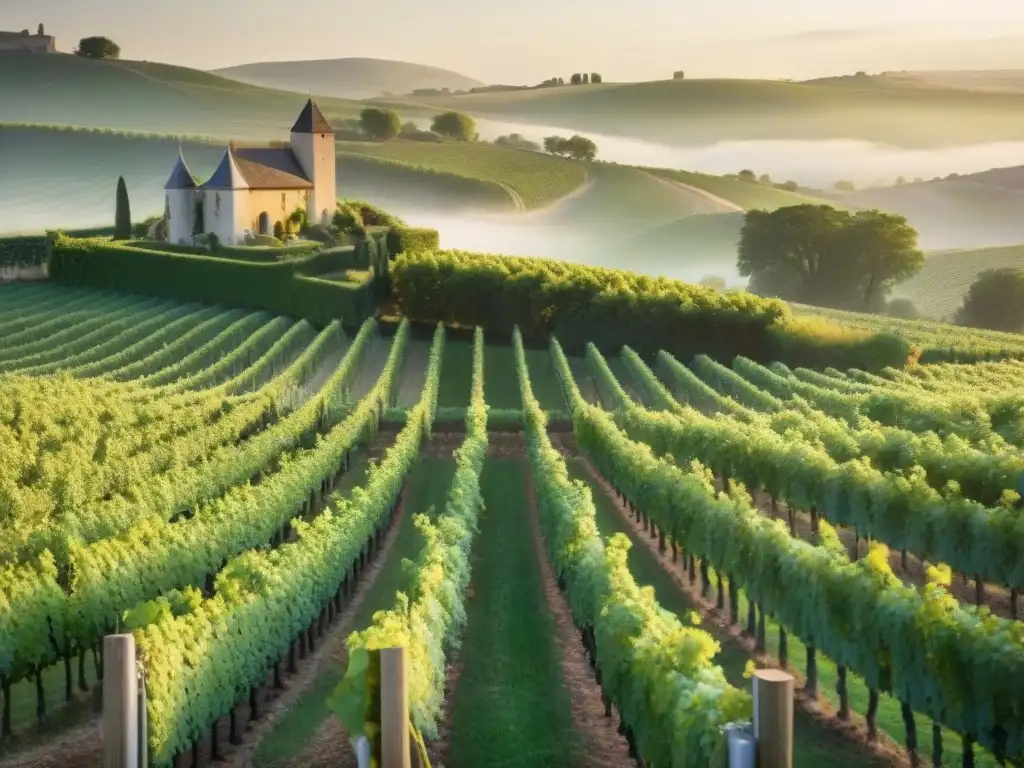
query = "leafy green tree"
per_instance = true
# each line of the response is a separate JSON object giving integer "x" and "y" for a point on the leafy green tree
{"x": 995, "y": 301}
{"x": 820, "y": 255}
{"x": 98, "y": 48}
{"x": 747, "y": 175}
{"x": 455, "y": 125}
{"x": 554, "y": 145}
{"x": 123, "y": 213}
{"x": 41, "y": 30}
{"x": 576, "y": 79}
{"x": 678, "y": 74}
{"x": 579, "y": 148}
{"x": 595, "y": 77}
{"x": 883, "y": 248}
{"x": 586, "y": 78}
{"x": 380, "y": 124}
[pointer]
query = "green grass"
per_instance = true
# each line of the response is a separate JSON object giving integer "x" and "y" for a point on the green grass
{"x": 544, "y": 380}
{"x": 501, "y": 380}
{"x": 709, "y": 111}
{"x": 428, "y": 488}
{"x": 509, "y": 707}
{"x": 349, "y": 78}
{"x": 814, "y": 745}
{"x": 456, "y": 375}
{"x": 939, "y": 288}
{"x": 743, "y": 193}
{"x": 146, "y": 96}
{"x": 67, "y": 177}
{"x": 531, "y": 179}
{"x": 981, "y": 209}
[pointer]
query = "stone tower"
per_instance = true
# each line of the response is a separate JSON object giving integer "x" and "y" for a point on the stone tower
{"x": 312, "y": 142}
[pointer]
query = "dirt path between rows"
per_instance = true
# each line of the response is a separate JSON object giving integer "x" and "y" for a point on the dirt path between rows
{"x": 885, "y": 751}
{"x": 605, "y": 747}
{"x": 330, "y": 652}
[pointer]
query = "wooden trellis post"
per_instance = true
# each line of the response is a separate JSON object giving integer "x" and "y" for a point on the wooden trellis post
{"x": 773, "y": 718}
{"x": 121, "y": 737}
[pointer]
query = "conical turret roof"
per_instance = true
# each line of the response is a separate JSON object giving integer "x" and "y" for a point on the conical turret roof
{"x": 181, "y": 178}
{"x": 311, "y": 120}
{"x": 227, "y": 175}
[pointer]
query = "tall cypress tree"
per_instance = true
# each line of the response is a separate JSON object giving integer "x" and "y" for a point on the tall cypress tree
{"x": 123, "y": 214}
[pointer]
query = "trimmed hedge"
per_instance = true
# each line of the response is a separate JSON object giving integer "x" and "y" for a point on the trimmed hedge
{"x": 413, "y": 240}
{"x": 612, "y": 308}
{"x": 277, "y": 287}
{"x": 264, "y": 254}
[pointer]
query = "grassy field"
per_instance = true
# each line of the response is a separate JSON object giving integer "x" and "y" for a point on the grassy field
{"x": 510, "y": 707}
{"x": 350, "y": 78}
{"x": 532, "y": 179}
{"x": 456, "y": 374}
{"x": 966, "y": 212}
{"x": 705, "y": 111}
{"x": 145, "y": 96}
{"x": 501, "y": 381}
{"x": 742, "y": 193}
{"x": 939, "y": 288}
{"x": 62, "y": 177}
{"x": 544, "y": 380}
{"x": 427, "y": 491}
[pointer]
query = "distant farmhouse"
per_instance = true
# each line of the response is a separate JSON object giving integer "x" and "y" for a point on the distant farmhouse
{"x": 23, "y": 42}
{"x": 257, "y": 186}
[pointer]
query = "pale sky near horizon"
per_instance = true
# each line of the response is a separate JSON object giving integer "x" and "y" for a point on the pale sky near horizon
{"x": 529, "y": 40}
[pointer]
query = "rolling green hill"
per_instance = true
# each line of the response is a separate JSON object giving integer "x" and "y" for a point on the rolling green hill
{"x": 938, "y": 289}
{"x": 66, "y": 177}
{"x": 143, "y": 96}
{"x": 531, "y": 179}
{"x": 350, "y": 78}
{"x": 742, "y": 194}
{"x": 964, "y": 212}
{"x": 706, "y": 111}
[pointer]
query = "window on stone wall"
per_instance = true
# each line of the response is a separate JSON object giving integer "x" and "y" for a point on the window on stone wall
{"x": 284, "y": 196}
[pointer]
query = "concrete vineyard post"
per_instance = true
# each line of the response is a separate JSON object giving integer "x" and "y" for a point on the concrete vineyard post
{"x": 773, "y": 718}
{"x": 120, "y": 703}
{"x": 394, "y": 710}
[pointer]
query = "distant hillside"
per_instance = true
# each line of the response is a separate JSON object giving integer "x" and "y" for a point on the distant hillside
{"x": 348, "y": 78}
{"x": 981, "y": 209}
{"x": 67, "y": 178}
{"x": 938, "y": 289}
{"x": 709, "y": 111}
{"x": 990, "y": 80}
{"x": 143, "y": 96}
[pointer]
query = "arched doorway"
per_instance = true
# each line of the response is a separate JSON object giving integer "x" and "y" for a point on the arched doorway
{"x": 264, "y": 227}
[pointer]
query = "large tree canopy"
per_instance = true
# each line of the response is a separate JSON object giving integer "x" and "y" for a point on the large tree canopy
{"x": 98, "y": 48}
{"x": 455, "y": 125}
{"x": 820, "y": 255}
{"x": 995, "y": 301}
{"x": 380, "y": 124}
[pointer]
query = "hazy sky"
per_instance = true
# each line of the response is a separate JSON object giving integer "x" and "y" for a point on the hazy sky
{"x": 528, "y": 40}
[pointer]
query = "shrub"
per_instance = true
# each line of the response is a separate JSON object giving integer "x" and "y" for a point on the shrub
{"x": 275, "y": 287}
{"x": 380, "y": 124}
{"x": 278, "y": 230}
{"x": 268, "y": 241}
{"x": 403, "y": 239}
{"x": 454, "y": 125}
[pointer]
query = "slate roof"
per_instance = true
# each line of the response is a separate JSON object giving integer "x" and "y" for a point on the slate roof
{"x": 227, "y": 175}
{"x": 181, "y": 178}
{"x": 271, "y": 168}
{"x": 312, "y": 120}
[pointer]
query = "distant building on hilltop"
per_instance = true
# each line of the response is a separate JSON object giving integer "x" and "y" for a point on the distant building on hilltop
{"x": 23, "y": 42}
{"x": 256, "y": 186}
